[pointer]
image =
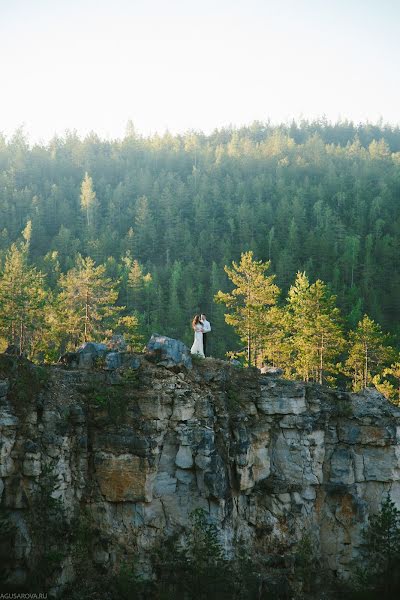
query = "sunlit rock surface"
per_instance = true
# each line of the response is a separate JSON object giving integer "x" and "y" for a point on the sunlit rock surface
{"x": 141, "y": 448}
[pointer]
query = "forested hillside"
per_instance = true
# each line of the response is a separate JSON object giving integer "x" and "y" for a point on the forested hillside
{"x": 165, "y": 214}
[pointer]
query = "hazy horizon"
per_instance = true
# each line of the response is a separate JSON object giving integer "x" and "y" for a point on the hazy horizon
{"x": 224, "y": 127}
{"x": 177, "y": 67}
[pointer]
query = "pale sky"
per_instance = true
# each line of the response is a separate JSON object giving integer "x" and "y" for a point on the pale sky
{"x": 185, "y": 64}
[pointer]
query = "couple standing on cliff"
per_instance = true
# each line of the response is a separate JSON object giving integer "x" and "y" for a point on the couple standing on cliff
{"x": 201, "y": 328}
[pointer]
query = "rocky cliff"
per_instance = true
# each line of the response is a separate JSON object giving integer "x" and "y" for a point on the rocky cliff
{"x": 140, "y": 447}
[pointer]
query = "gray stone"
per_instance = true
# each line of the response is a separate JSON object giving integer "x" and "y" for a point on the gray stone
{"x": 7, "y": 419}
{"x": 309, "y": 493}
{"x": 202, "y": 461}
{"x": 287, "y": 460}
{"x": 89, "y": 353}
{"x": 164, "y": 485}
{"x": 282, "y": 401}
{"x": 168, "y": 352}
{"x": 380, "y": 464}
{"x": 183, "y": 409}
{"x": 185, "y": 477}
{"x": 94, "y": 348}
{"x": 374, "y": 435}
{"x": 342, "y": 470}
{"x": 184, "y": 458}
{"x": 271, "y": 371}
{"x": 154, "y": 515}
{"x": 154, "y": 407}
{"x": 261, "y": 464}
{"x": 113, "y": 360}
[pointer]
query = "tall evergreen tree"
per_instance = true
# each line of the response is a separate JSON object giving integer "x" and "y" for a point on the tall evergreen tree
{"x": 138, "y": 284}
{"x": 253, "y": 294}
{"x": 86, "y": 301}
{"x": 22, "y": 299}
{"x": 316, "y": 331}
{"x": 88, "y": 201}
{"x": 277, "y": 348}
{"x": 369, "y": 352}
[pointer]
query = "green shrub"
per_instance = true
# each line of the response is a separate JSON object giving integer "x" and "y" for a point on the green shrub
{"x": 377, "y": 573}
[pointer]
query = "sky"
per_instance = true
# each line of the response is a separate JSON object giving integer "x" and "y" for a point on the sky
{"x": 178, "y": 65}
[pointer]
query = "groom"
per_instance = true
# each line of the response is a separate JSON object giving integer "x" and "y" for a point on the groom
{"x": 206, "y": 329}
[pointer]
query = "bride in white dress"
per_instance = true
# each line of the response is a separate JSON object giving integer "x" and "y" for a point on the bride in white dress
{"x": 197, "y": 347}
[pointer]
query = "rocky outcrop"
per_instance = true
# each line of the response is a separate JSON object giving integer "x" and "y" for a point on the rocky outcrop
{"x": 141, "y": 446}
{"x": 168, "y": 352}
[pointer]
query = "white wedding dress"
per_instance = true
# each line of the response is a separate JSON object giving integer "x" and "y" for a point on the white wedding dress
{"x": 197, "y": 347}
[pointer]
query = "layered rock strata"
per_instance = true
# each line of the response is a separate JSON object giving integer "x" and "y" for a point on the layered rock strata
{"x": 141, "y": 447}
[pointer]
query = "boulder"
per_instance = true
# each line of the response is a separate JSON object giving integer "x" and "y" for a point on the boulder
{"x": 113, "y": 360}
{"x": 184, "y": 458}
{"x": 93, "y": 348}
{"x": 271, "y": 371}
{"x": 89, "y": 352}
{"x": 168, "y": 352}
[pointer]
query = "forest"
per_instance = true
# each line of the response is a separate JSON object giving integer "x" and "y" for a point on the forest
{"x": 151, "y": 222}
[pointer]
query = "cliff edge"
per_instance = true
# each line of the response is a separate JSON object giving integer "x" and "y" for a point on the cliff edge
{"x": 140, "y": 447}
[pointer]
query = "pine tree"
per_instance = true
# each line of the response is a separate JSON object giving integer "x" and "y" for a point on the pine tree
{"x": 22, "y": 299}
{"x": 316, "y": 331}
{"x": 378, "y": 573}
{"x": 87, "y": 300}
{"x": 88, "y": 201}
{"x": 369, "y": 352}
{"x": 253, "y": 295}
{"x": 388, "y": 383}
{"x": 138, "y": 283}
{"x": 130, "y": 328}
{"x": 277, "y": 349}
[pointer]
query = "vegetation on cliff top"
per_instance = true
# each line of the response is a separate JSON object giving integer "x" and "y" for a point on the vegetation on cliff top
{"x": 141, "y": 228}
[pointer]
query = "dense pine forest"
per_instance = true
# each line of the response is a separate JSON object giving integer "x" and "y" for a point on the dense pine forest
{"x": 154, "y": 220}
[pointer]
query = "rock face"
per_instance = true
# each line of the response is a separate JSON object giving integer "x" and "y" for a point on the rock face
{"x": 140, "y": 448}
